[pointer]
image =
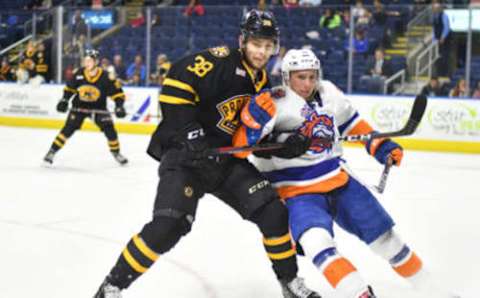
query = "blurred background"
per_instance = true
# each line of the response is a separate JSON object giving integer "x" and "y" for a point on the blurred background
{"x": 367, "y": 47}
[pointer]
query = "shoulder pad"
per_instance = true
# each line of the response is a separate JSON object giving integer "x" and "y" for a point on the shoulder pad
{"x": 219, "y": 52}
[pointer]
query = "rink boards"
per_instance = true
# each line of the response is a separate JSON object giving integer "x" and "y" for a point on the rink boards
{"x": 448, "y": 124}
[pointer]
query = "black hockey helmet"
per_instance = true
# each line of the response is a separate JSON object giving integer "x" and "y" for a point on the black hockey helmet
{"x": 257, "y": 23}
{"x": 92, "y": 53}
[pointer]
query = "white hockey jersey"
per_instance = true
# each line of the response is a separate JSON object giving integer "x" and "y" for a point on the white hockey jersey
{"x": 329, "y": 114}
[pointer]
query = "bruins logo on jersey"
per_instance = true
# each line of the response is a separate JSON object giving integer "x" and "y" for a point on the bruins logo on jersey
{"x": 229, "y": 109}
{"x": 220, "y": 52}
{"x": 88, "y": 93}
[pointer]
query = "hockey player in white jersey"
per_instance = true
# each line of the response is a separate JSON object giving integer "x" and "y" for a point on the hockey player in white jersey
{"x": 315, "y": 186}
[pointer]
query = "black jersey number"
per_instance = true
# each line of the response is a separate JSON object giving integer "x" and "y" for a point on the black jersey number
{"x": 201, "y": 66}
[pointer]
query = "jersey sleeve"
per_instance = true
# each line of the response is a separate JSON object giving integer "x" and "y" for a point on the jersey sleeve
{"x": 115, "y": 91}
{"x": 348, "y": 119}
{"x": 71, "y": 86}
{"x": 190, "y": 79}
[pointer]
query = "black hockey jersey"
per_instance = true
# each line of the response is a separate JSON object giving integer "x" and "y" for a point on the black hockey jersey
{"x": 209, "y": 87}
{"x": 92, "y": 92}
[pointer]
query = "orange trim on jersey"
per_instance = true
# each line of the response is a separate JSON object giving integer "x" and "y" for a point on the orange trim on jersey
{"x": 337, "y": 270}
{"x": 362, "y": 127}
{"x": 330, "y": 184}
{"x": 239, "y": 140}
{"x": 410, "y": 267}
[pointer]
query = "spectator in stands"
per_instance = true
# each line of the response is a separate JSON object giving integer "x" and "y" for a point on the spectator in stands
{"x": 380, "y": 15}
{"x": 476, "y": 91}
{"x": 378, "y": 70}
{"x": 137, "y": 67}
{"x": 434, "y": 88}
{"x": 330, "y": 19}
{"x": 120, "y": 69}
{"x": 441, "y": 33}
{"x": 460, "y": 89}
{"x": 7, "y": 73}
{"x": 162, "y": 67}
{"x": 138, "y": 21}
{"x": 360, "y": 43}
{"x": 275, "y": 65}
{"x": 360, "y": 14}
{"x": 290, "y": 3}
{"x": 194, "y": 6}
{"x": 135, "y": 80}
{"x": 27, "y": 66}
{"x": 79, "y": 30}
{"x": 42, "y": 62}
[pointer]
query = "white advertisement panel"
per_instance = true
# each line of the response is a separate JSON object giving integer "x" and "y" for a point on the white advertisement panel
{"x": 444, "y": 119}
{"x": 37, "y": 101}
{"x": 40, "y": 102}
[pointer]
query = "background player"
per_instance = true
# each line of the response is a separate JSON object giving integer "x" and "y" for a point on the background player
{"x": 318, "y": 190}
{"x": 90, "y": 88}
{"x": 201, "y": 98}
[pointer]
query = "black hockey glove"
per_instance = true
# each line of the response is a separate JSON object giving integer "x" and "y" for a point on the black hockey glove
{"x": 189, "y": 147}
{"x": 295, "y": 145}
{"x": 62, "y": 105}
{"x": 120, "y": 111}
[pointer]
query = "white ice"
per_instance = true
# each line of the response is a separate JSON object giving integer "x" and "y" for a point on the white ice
{"x": 62, "y": 228}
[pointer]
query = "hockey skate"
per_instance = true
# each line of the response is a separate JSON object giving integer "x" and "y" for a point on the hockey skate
{"x": 120, "y": 158}
{"x": 108, "y": 290}
{"x": 296, "y": 288}
{"x": 48, "y": 159}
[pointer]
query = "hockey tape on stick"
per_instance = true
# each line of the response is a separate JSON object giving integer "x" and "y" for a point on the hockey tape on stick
{"x": 383, "y": 179}
{"x": 107, "y": 112}
{"x": 418, "y": 109}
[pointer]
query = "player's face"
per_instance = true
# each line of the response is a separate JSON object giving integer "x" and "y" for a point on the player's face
{"x": 89, "y": 63}
{"x": 304, "y": 82}
{"x": 258, "y": 51}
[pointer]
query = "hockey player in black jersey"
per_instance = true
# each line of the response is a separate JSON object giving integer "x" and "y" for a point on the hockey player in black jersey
{"x": 90, "y": 88}
{"x": 201, "y": 98}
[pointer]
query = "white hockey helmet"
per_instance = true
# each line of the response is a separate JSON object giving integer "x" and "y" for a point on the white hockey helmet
{"x": 302, "y": 59}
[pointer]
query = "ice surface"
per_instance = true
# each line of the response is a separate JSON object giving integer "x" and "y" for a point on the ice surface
{"x": 62, "y": 228}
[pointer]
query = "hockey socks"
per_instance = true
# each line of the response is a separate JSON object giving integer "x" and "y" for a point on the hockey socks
{"x": 282, "y": 254}
{"x": 338, "y": 271}
{"x": 135, "y": 260}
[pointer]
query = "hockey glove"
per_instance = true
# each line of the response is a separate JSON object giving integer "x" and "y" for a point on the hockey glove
{"x": 383, "y": 149}
{"x": 255, "y": 115}
{"x": 62, "y": 105}
{"x": 120, "y": 111}
{"x": 258, "y": 111}
{"x": 295, "y": 146}
{"x": 189, "y": 146}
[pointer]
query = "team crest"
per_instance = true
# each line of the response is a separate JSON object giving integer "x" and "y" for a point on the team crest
{"x": 320, "y": 126}
{"x": 220, "y": 52}
{"x": 88, "y": 93}
{"x": 230, "y": 110}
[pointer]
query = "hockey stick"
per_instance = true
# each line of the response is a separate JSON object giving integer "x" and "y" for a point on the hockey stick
{"x": 106, "y": 112}
{"x": 416, "y": 114}
{"x": 383, "y": 179}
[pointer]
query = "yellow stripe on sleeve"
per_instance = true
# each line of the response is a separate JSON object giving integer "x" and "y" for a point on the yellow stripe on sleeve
{"x": 174, "y": 100}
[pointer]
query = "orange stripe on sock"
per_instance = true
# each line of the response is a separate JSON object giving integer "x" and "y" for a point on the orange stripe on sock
{"x": 410, "y": 267}
{"x": 337, "y": 270}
